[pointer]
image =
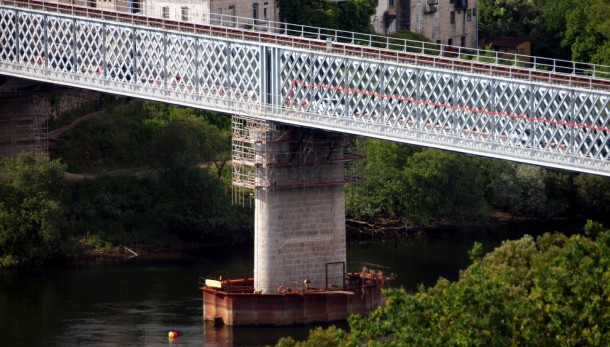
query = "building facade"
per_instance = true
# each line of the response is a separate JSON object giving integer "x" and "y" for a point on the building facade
{"x": 449, "y": 22}
{"x": 384, "y": 19}
{"x": 212, "y": 11}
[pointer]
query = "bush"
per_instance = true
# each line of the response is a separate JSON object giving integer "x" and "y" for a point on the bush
{"x": 548, "y": 291}
{"x": 31, "y": 215}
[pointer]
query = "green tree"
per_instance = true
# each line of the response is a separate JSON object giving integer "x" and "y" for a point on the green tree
{"x": 548, "y": 291}
{"x": 594, "y": 194}
{"x": 520, "y": 190}
{"x": 380, "y": 194}
{"x": 508, "y": 17}
{"x": 350, "y": 15}
{"x": 175, "y": 195}
{"x": 319, "y": 13}
{"x": 355, "y": 15}
{"x": 30, "y": 211}
{"x": 587, "y": 31}
{"x": 442, "y": 185}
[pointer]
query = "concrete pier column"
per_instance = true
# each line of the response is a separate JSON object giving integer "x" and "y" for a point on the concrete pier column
{"x": 299, "y": 204}
{"x": 299, "y": 236}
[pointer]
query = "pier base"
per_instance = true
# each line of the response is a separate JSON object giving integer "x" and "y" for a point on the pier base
{"x": 233, "y": 305}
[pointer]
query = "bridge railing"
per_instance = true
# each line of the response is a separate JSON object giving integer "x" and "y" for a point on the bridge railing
{"x": 345, "y": 42}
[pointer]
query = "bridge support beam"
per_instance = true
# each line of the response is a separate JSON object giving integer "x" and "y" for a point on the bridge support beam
{"x": 298, "y": 176}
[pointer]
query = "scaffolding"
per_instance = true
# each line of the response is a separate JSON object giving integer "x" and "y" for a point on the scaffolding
{"x": 267, "y": 155}
{"x": 23, "y": 128}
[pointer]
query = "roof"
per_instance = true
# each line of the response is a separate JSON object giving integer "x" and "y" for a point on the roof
{"x": 506, "y": 41}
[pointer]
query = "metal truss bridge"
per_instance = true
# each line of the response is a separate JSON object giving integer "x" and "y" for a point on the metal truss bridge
{"x": 535, "y": 110}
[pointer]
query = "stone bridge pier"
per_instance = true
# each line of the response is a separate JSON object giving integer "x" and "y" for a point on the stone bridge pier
{"x": 298, "y": 176}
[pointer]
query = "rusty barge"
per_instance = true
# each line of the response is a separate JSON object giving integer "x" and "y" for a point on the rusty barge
{"x": 235, "y": 302}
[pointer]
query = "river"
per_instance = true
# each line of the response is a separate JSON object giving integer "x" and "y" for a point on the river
{"x": 137, "y": 301}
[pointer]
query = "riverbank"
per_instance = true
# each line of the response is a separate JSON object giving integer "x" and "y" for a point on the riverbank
{"x": 382, "y": 230}
{"x": 386, "y": 229}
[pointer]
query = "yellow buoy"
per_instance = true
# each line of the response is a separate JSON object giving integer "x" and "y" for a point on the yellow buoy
{"x": 172, "y": 334}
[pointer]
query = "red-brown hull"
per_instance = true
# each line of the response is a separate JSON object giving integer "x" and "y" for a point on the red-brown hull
{"x": 299, "y": 307}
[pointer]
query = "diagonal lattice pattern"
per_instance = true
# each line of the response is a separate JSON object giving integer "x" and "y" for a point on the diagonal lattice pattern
{"x": 511, "y": 116}
{"x": 538, "y": 123}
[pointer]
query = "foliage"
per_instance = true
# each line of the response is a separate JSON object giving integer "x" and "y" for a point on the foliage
{"x": 442, "y": 185}
{"x": 587, "y": 31}
{"x": 31, "y": 230}
{"x": 321, "y": 13}
{"x": 549, "y": 291}
{"x": 424, "y": 185}
{"x": 318, "y": 337}
{"x": 191, "y": 203}
{"x": 110, "y": 210}
{"x": 565, "y": 29}
{"x": 381, "y": 193}
{"x": 173, "y": 196}
{"x": 146, "y": 134}
{"x": 417, "y": 185}
{"x": 520, "y": 189}
{"x": 508, "y": 17}
{"x": 350, "y": 15}
{"x": 355, "y": 15}
{"x": 110, "y": 141}
{"x": 594, "y": 194}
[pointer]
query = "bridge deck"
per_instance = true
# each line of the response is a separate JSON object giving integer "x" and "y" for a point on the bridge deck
{"x": 558, "y": 117}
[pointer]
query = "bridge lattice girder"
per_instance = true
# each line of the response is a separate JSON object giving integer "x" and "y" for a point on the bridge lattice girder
{"x": 526, "y": 121}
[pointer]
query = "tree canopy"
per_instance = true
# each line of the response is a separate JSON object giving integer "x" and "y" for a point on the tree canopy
{"x": 350, "y": 15}
{"x": 566, "y": 29}
{"x": 31, "y": 215}
{"x": 552, "y": 290}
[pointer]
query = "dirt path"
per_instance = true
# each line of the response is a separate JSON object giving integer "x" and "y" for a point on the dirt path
{"x": 54, "y": 135}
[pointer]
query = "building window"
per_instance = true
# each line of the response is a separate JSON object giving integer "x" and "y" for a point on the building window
{"x": 474, "y": 11}
{"x": 232, "y": 15}
{"x": 255, "y": 10}
{"x": 185, "y": 13}
{"x": 450, "y": 42}
{"x": 266, "y": 10}
{"x": 463, "y": 41}
{"x": 165, "y": 12}
{"x": 391, "y": 3}
{"x": 468, "y": 14}
{"x": 452, "y": 17}
{"x": 451, "y": 1}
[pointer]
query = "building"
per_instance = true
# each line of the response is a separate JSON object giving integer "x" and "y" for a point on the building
{"x": 212, "y": 11}
{"x": 384, "y": 19}
{"x": 449, "y": 22}
{"x": 196, "y": 11}
{"x": 129, "y": 6}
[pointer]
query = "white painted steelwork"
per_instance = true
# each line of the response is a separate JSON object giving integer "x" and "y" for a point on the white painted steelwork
{"x": 510, "y": 112}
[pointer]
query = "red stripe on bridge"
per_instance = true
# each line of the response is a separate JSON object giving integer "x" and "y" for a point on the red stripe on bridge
{"x": 459, "y": 108}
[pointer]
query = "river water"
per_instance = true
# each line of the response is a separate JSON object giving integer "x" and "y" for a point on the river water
{"x": 137, "y": 301}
